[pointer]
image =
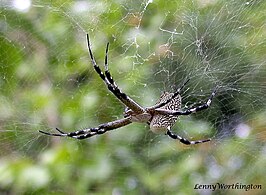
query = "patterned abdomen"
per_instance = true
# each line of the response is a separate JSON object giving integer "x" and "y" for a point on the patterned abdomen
{"x": 160, "y": 123}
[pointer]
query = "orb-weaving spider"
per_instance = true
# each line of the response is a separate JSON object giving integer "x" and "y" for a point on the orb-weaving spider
{"x": 161, "y": 117}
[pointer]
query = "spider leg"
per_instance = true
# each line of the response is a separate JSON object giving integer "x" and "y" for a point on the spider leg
{"x": 111, "y": 85}
{"x": 184, "y": 140}
{"x": 61, "y": 133}
{"x": 86, "y": 133}
{"x": 190, "y": 110}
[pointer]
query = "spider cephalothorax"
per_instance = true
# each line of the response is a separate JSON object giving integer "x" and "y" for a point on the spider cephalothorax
{"x": 161, "y": 117}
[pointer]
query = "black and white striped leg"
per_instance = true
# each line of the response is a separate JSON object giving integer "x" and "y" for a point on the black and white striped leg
{"x": 115, "y": 89}
{"x": 77, "y": 134}
{"x": 190, "y": 110}
{"x": 111, "y": 85}
{"x": 183, "y": 140}
{"x": 203, "y": 106}
{"x": 107, "y": 73}
{"x": 86, "y": 133}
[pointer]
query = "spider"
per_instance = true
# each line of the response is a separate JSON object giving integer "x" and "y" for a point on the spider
{"x": 160, "y": 117}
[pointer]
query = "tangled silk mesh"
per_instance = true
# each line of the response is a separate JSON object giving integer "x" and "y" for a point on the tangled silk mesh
{"x": 212, "y": 43}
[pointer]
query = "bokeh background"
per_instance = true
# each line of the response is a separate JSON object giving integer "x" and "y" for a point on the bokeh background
{"x": 47, "y": 81}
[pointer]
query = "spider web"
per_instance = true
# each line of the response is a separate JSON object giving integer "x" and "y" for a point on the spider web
{"x": 47, "y": 81}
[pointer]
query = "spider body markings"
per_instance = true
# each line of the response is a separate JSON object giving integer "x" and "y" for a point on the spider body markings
{"x": 159, "y": 122}
{"x": 160, "y": 117}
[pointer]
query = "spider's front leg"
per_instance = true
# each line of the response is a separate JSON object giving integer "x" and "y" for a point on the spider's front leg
{"x": 109, "y": 81}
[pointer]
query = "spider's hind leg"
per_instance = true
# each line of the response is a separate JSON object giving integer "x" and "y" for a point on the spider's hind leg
{"x": 184, "y": 140}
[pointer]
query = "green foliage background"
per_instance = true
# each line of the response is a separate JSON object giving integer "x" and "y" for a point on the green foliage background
{"x": 47, "y": 81}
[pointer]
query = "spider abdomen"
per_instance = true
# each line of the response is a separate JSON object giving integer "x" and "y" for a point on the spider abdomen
{"x": 160, "y": 123}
